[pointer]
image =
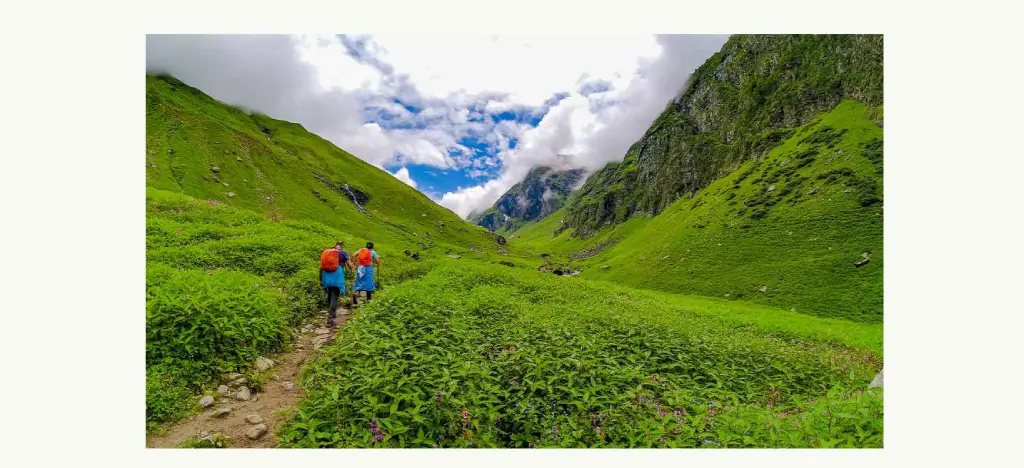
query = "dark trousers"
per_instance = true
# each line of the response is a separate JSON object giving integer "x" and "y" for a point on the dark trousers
{"x": 332, "y": 296}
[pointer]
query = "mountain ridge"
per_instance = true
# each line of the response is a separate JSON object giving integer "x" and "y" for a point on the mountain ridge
{"x": 542, "y": 192}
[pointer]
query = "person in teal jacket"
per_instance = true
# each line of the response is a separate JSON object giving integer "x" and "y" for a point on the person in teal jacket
{"x": 333, "y": 282}
{"x": 367, "y": 259}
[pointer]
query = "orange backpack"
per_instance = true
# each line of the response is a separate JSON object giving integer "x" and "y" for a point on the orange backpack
{"x": 329, "y": 259}
{"x": 364, "y": 257}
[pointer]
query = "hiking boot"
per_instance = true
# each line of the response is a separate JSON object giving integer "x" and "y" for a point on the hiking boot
{"x": 330, "y": 323}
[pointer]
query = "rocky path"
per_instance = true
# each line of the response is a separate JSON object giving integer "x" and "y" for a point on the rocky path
{"x": 248, "y": 418}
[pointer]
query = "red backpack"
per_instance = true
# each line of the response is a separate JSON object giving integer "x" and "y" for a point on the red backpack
{"x": 329, "y": 259}
{"x": 364, "y": 257}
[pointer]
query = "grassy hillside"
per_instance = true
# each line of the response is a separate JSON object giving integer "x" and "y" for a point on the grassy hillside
{"x": 200, "y": 147}
{"x": 793, "y": 224}
{"x": 477, "y": 355}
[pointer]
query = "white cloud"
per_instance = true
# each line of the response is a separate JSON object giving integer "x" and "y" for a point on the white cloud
{"x": 528, "y": 69}
{"x": 402, "y": 174}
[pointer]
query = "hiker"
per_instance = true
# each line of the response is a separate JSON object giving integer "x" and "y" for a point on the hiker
{"x": 365, "y": 258}
{"x": 332, "y": 276}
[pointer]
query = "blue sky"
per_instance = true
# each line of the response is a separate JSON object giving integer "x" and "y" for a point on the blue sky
{"x": 460, "y": 118}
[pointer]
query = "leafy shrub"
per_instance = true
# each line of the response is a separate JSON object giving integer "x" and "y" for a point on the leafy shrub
{"x": 167, "y": 397}
{"x": 208, "y": 323}
{"x": 873, "y": 151}
{"x": 482, "y": 356}
{"x": 824, "y": 135}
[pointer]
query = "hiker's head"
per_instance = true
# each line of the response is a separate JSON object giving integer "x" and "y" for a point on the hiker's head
{"x": 369, "y": 245}
{"x": 339, "y": 244}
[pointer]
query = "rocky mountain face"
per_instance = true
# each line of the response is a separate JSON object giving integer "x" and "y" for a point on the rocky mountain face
{"x": 542, "y": 192}
{"x": 741, "y": 103}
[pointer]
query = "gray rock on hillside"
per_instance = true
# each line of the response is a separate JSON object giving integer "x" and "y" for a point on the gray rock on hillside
{"x": 206, "y": 401}
{"x": 243, "y": 394}
{"x": 223, "y": 390}
{"x": 254, "y": 419}
{"x": 221, "y": 412}
{"x": 256, "y": 432}
{"x": 263, "y": 363}
{"x": 877, "y": 382}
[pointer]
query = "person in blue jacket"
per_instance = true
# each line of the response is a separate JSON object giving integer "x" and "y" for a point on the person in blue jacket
{"x": 334, "y": 281}
{"x": 366, "y": 260}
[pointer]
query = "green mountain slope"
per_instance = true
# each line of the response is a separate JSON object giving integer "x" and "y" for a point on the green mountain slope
{"x": 737, "y": 106}
{"x": 542, "y": 192}
{"x": 786, "y": 229}
{"x": 198, "y": 146}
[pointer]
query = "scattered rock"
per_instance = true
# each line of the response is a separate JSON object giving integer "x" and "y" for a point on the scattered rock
{"x": 454, "y": 256}
{"x": 322, "y": 331}
{"x": 233, "y": 376}
{"x": 243, "y": 394}
{"x": 771, "y": 188}
{"x": 222, "y": 411}
{"x": 812, "y": 191}
{"x": 300, "y": 346}
{"x": 863, "y": 261}
{"x": 763, "y": 289}
{"x": 254, "y": 419}
{"x": 223, "y": 390}
{"x": 214, "y": 169}
{"x": 206, "y": 401}
{"x": 239, "y": 382}
{"x": 877, "y": 382}
{"x": 256, "y": 432}
{"x": 238, "y": 159}
{"x": 226, "y": 184}
{"x": 507, "y": 263}
{"x": 605, "y": 267}
{"x": 230, "y": 194}
{"x": 727, "y": 294}
{"x": 263, "y": 363}
{"x": 423, "y": 215}
{"x": 255, "y": 398}
{"x": 288, "y": 386}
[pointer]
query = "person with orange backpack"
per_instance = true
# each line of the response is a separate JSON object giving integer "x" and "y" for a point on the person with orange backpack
{"x": 332, "y": 276}
{"x": 366, "y": 258}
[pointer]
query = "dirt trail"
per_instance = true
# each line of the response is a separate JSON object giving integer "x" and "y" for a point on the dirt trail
{"x": 267, "y": 404}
